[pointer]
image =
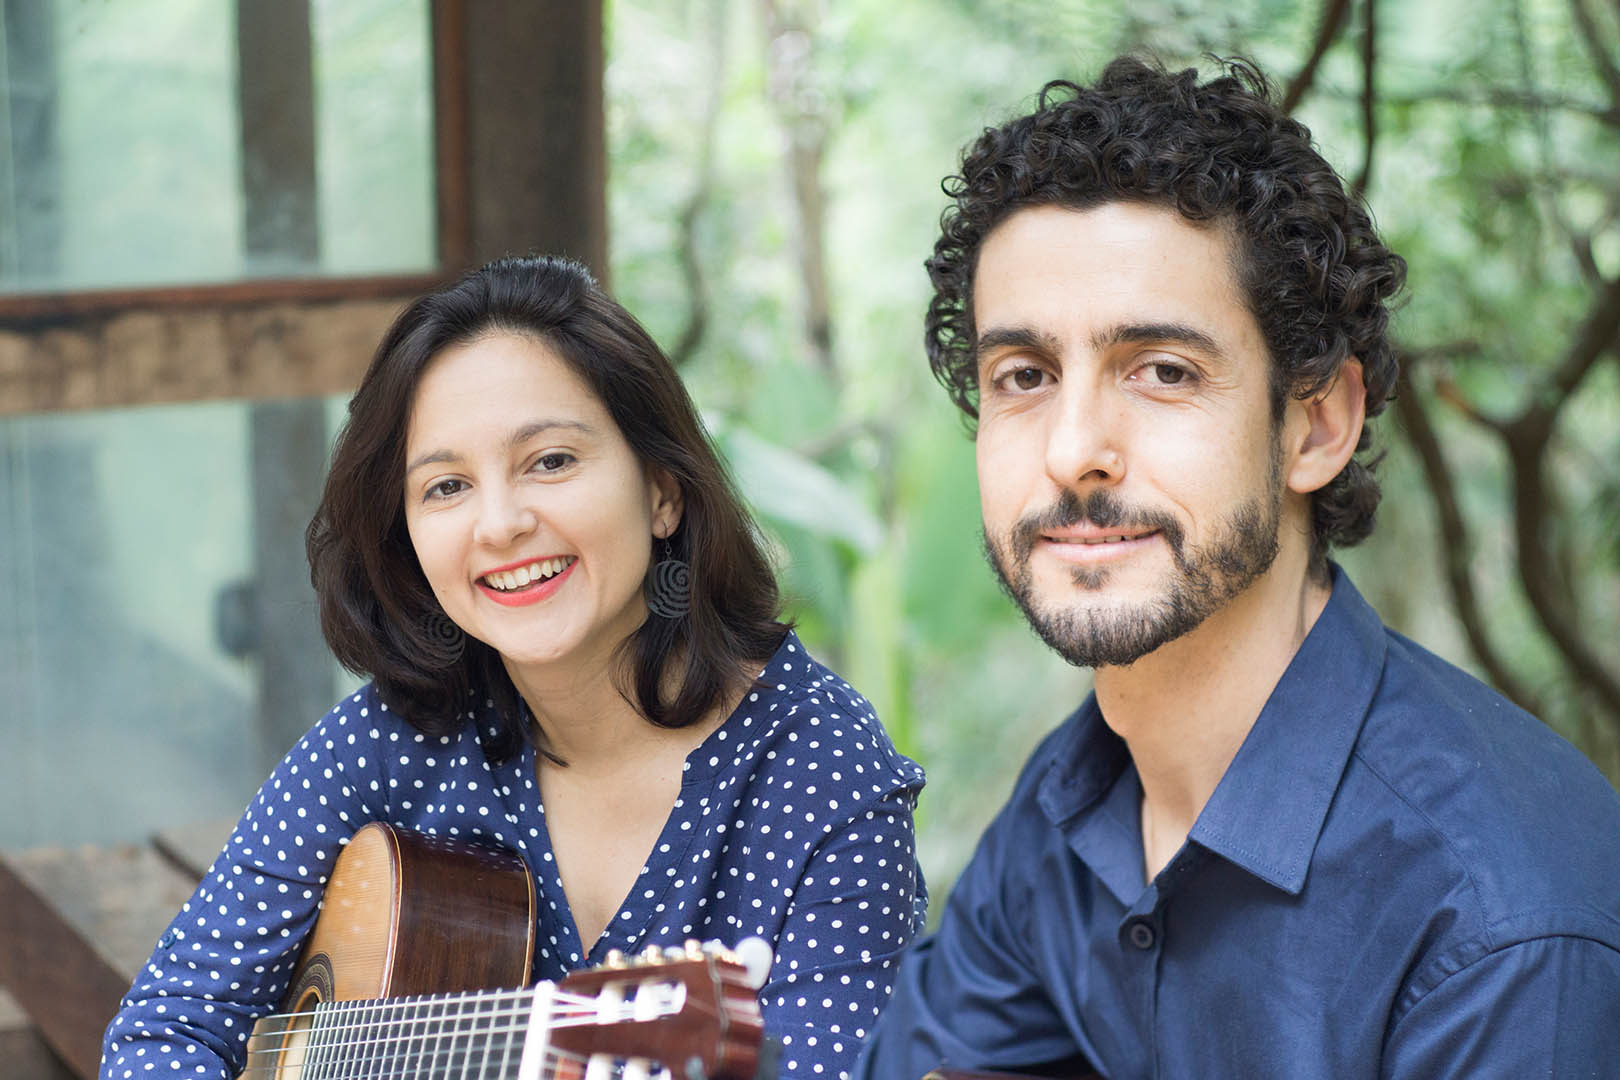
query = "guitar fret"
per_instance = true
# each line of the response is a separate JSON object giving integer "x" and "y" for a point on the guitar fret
{"x": 313, "y": 1058}
{"x": 506, "y": 1049}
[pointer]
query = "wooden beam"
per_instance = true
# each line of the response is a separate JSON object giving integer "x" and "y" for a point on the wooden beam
{"x": 23, "y": 1049}
{"x": 144, "y": 357}
{"x": 79, "y": 924}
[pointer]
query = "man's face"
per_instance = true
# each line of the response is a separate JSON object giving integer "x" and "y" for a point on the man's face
{"x": 1130, "y": 474}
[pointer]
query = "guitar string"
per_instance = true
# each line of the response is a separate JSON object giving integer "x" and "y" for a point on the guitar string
{"x": 394, "y": 1056}
{"x": 371, "y": 1029}
{"x": 472, "y": 998}
{"x": 340, "y": 1023}
{"x": 552, "y": 1058}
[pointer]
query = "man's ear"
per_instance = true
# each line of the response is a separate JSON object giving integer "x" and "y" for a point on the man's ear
{"x": 1321, "y": 432}
{"x": 666, "y": 501}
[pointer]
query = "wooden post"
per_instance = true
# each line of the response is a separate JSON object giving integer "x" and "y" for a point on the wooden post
{"x": 519, "y": 85}
{"x": 30, "y": 191}
{"x": 281, "y": 236}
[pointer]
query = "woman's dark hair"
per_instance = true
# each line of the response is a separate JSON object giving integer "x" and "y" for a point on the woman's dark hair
{"x": 1316, "y": 276}
{"x": 377, "y": 610}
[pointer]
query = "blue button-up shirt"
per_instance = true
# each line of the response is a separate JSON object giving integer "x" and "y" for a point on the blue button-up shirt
{"x": 1400, "y": 875}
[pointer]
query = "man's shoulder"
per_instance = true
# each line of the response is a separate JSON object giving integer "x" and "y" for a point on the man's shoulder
{"x": 1482, "y": 791}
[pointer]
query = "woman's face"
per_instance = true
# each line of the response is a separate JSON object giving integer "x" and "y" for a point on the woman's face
{"x": 532, "y": 518}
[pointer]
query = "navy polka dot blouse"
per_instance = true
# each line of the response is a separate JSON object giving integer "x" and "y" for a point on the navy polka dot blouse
{"x": 793, "y": 823}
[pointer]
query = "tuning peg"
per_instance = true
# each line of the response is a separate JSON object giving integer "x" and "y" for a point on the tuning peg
{"x": 614, "y": 959}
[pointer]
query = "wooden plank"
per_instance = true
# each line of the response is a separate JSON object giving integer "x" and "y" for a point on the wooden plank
{"x": 79, "y": 924}
{"x": 24, "y": 1053}
{"x": 159, "y": 356}
{"x": 43, "y": 310}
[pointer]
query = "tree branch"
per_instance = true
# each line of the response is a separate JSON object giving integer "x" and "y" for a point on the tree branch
{"x": 1369, "y": 91}
{"x": 1333, "y": 13}
{"x": 1527, "y": 439}
{"x": 1457, "y": 547}
{"x": 1599, "y": 333}
{"x": 1446, "y": 389}
{"x": 802, "y": 111}
{"x": 697, "y": 321}
{"x": 1590, "y": 37}
{"x": 1540, "y": 585}
{"x": 1505, "y": 98}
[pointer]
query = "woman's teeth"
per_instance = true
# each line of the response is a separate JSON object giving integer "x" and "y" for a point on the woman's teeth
{"x": 506, "y": 580}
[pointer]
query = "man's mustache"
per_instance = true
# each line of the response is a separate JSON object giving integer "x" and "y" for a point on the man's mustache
{"x": 1103, "y": 509}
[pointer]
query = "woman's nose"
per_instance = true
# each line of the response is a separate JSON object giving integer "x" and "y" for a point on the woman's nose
{"x": 502, "y": 518}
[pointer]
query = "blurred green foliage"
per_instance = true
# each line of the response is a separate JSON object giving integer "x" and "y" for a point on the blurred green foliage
{"x": 775, "y": 170}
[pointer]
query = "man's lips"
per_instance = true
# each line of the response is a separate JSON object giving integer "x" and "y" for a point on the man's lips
{"x": 1093, "y": 544}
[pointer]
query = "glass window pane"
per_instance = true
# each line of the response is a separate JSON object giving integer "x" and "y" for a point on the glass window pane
{"x": 125, "y": 538}
{"x": 121, "y": 152}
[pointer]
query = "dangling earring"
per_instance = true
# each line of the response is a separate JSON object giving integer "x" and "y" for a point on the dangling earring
{"x": 443, "y": 641}
{"x": 669, "y": 592}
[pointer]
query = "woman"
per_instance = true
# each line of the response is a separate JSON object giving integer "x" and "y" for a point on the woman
{"x": 527, "y": 542}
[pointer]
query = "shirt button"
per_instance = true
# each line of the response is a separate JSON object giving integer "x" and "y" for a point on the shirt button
{"x": 1142, "y": 935}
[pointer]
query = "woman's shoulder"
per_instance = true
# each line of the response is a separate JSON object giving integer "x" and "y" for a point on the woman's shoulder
{"x": 801, "y": 715}
{"x": 361, "y": 722}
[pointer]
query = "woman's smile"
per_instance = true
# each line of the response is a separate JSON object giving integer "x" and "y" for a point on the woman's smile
{"x": 527, "y": 582}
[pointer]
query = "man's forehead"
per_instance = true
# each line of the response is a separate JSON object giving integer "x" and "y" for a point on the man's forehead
{"x": 1106, "y": 274}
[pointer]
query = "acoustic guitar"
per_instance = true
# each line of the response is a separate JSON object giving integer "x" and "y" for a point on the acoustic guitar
{"x": 398, "y": 980}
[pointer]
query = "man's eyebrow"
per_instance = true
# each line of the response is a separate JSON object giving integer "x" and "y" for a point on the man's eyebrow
{"x": 519, "y": 436}
{"x": 1168, "y": 333}
{"x": 1015, "y": 337}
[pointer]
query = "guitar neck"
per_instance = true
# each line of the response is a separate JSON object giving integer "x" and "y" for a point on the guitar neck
{"x": 477, "y": 1035}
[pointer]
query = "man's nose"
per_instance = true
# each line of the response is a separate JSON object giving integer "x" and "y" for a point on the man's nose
{"x": 1083, "y": 441}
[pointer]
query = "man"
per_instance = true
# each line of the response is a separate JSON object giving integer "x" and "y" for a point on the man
{"x": 1279, "y": 840}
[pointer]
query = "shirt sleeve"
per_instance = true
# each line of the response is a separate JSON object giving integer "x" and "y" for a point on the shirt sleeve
{"x": 970, "y": 996}
{"x": 857, "y": 904}
{"x": 227, "y": 957}
{"x": 1545, "y": 1007}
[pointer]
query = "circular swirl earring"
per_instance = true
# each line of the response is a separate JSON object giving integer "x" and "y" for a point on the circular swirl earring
{"x": 443, "y": 643}
{"x": 669, "y": 590}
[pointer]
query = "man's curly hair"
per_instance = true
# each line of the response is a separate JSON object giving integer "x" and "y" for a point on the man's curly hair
{"x": 1317, "y": 278}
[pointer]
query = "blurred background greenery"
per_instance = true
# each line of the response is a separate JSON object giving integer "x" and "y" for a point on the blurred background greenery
{"x": 774, "y": 171}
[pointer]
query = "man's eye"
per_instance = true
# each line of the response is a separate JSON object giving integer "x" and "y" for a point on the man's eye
{"x": 1168, "y": 374}
{"x": 1027, "y": 378}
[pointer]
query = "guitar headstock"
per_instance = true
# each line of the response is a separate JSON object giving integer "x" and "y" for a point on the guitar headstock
{"x": 668, "y": 1006}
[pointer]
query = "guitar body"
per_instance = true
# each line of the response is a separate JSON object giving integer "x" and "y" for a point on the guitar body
{"x": 418, "y": 969}
{"x": 405, "y": 913}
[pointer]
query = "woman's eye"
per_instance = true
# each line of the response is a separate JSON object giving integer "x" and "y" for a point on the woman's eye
{"x": 444, "y": 489}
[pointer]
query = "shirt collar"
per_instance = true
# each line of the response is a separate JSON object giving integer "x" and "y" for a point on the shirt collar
{"x": 1269, "y": 808}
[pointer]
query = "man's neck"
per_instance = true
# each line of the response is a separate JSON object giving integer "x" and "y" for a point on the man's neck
{"x": 1184, "y": 709}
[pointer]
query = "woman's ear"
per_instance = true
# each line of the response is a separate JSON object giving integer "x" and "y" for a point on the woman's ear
{"x": 1321, "y": 433}
{"x": 666, "y": 502}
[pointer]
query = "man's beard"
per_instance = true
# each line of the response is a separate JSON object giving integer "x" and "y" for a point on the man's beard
{"x": 1205, "y": 579}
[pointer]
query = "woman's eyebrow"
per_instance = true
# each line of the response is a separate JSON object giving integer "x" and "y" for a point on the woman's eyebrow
{"x": 520, "y": 435}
